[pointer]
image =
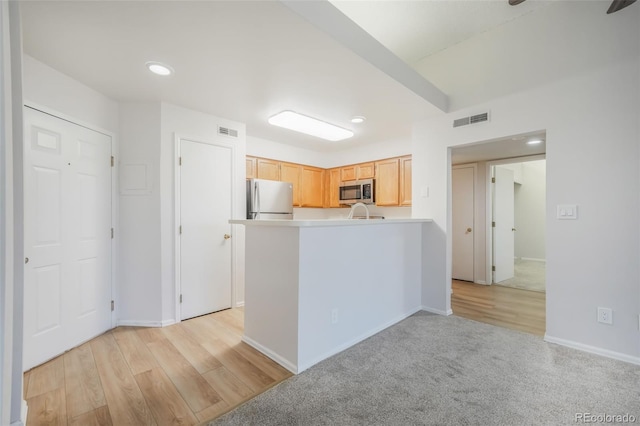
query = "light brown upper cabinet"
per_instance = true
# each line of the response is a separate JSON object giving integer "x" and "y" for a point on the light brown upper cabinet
{"x": 290, "y": 172}
{"x": 251, "y": 167}
{"x": 332, "y": 187}
{"x": 405, "y": 181}
{"x": 357, "y": 171}
{"x": 267, "y": 169}
{"x": 311, "y": 187}
{"x": 365, "y": 170}
{"x": 387, "y": 182}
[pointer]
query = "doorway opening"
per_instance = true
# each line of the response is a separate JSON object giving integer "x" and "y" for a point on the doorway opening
{"x": 498, "y": 232}
{"x": 518, "y": 193}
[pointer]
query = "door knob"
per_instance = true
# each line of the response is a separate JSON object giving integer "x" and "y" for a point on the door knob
{"x": 513, "y": 229}
{"x": 468, "y": 230}
{"x": 227, "y": 236}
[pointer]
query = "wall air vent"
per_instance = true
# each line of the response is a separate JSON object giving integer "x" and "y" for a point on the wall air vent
{"x": 227, "y": 132}
{"x": 474, "y": 119}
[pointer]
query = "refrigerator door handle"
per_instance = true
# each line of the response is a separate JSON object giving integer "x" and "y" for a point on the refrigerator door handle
{"x": 256, "y": 200}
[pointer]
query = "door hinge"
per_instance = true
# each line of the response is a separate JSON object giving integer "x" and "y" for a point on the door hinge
{"x": 493, "y": 268}
{"x": 180, "y": 298}
{"x": 113, "y": 161}
{"x": 113, "y": 306}
{"x": 493, "y": 180}
{"x": 179, "y": 161}
{"x": 180, "y": 229}
{"x": 112, "y": 233}
{"x": 493, "y": 224}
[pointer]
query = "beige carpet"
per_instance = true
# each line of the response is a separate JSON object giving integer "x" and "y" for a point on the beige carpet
{"x": 438, "y": 370}
{"x": 529, "y": 275}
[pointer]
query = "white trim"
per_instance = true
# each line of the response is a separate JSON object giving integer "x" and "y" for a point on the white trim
{"x": 240, "y": 304}
{"x": 114, "y": 188}
{"x": 437, "y": 311}
{"x": 136, "y": 323}
{"x": 476, "y": 220}
{"x": 489, "y": 202}
{"x": 270, "y": 354}
{"x": 69, "y": 118}
{"x": 482, "y": 282}
{"x": 534, "y": 259}
{"x": 218, "y": 141}
{"x": 356, "y": 340}
{"x": 593, "y": 349}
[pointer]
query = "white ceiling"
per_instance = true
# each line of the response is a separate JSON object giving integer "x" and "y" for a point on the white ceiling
{"x": 511, "y": 147}
{"x": 246, "y": 61}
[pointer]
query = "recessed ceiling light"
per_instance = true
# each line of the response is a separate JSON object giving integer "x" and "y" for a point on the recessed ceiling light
{"x": 534, "y": 142}
{"x": 358, "y": 119}
{"x": 310, "y": 126}
{"x": 159, "y": 68}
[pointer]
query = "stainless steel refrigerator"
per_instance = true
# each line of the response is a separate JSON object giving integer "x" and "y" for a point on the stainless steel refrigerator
{"x": 269, "y": 199}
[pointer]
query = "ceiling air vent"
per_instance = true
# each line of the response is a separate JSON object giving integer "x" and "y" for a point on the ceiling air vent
{"x": 227, "y": 132}
{"x": 478, "y": 118}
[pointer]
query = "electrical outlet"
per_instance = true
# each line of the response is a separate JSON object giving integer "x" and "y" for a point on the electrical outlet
{"x": 334, "y": 316}
{"x": 605, "y": 316}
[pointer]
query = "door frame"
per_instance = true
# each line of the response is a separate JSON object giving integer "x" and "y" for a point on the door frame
{"x": 474, "y": 166}
{"x": 114, "y": 184}
{"x": 489, "y": 205}
{"x": 177, "y": 217}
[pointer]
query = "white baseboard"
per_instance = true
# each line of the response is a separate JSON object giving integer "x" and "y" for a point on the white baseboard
{"x": 483, "y": 282}
{"x": 593, "y": 349}
{"x": 534, "y": 259}
{"x": 136, "y": 323}
{"x": 300, "y": 367}
{"x": 239, "y": 304}
{"x": 23, "y": 414}
{"x": 355, "y": 340}
{"x": 269, "y": 353}
{"x": 437, "y": 311}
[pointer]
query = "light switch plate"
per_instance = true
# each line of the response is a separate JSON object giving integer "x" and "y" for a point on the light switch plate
{"x": 567, "y": 211}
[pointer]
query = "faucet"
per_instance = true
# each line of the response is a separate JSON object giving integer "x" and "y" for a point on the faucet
{"x": 353, "y": 207}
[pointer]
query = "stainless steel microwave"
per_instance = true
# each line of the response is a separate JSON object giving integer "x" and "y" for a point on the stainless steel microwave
{"x": 357, "y": 191}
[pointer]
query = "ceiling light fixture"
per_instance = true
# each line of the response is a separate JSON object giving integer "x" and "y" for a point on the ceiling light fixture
{"x": 310, "y": 126}
{"x": 534, "y": 142}
{"x": 358, "y": 119}
{"x": 159, "y": 68}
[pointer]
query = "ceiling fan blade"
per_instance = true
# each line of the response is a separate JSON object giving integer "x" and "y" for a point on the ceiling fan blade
{"x": 517, "y": 2}
{"x": 619, "y": 4}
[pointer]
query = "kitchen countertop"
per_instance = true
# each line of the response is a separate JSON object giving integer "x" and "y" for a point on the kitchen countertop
{"x": 325, "y": 222}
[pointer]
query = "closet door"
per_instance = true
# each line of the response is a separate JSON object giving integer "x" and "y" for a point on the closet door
{"x": 67, "y": 182}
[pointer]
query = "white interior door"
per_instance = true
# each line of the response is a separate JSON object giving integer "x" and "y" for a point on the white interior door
{"x": 503, "y": 230}
{"x": 205, "y": 210}
{"x": 463, "y": 209}
{"x": 67, "y": 181}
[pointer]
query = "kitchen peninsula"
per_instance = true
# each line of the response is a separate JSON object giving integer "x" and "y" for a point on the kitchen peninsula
{"x": 316, "y": 287}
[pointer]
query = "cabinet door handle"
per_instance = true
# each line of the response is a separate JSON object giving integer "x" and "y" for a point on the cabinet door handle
{"x": 227, "y": 236}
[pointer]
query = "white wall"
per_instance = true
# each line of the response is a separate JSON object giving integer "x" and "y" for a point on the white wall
{"x": 530, "y": 209}
{"x": 592, "y": 148}
{"x": 45, "y": 86}
{"x": 178, "y": 121}
{"x": 259, "y": 147}
{"x": 138, "y": 235}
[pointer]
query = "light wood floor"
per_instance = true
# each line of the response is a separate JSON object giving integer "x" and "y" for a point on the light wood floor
{"x": 513, "y": 308}
{"x": 184, "y": 374}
